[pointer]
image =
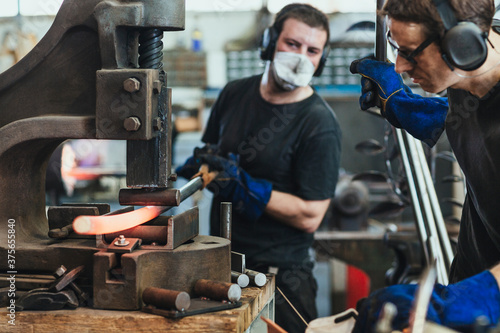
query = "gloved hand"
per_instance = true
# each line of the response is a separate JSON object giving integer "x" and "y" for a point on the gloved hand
{"x": 249, "y": 195}
{"x": 456, "y": 306}
{"x": 193, "y": 163}
{"x": 422, "y": 117}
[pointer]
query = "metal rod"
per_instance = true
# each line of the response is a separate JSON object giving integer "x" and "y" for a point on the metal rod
{"x": 435, "y": 248}
{"x": 149, "y": 197}
{"x": 256, "y": 278}
{"x": 240, "y": 279}
{"x": 440, "y": 224}
{"x": 191, "y": 187}
{"x": 380, "y": 39}
{"x": 166, "y": 299}
{"x": 422, "y": 230}
{"x": 217, "y": 290}
{"x": 226, "y": 218}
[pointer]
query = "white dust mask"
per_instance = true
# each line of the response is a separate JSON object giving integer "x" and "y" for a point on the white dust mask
{"x": 291, "y": 70}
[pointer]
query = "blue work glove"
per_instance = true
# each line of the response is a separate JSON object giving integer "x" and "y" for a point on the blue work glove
{"x": 422, "y": 117}
{"x": 249, "y": 195}
{"x": 193, "y": 163}
{"x": 456, "y": 306}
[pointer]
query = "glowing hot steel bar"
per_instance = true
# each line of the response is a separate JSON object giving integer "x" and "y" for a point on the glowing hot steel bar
{"x": 104, "y": 224}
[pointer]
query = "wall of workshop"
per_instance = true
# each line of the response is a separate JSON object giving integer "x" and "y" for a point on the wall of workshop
{"x": 217, "y": 29}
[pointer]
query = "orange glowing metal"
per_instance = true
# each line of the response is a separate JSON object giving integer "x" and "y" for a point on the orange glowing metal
{"x": 105, "y": 224}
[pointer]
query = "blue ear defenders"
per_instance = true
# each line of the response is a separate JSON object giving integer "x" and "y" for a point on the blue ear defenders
{"x": 268, "y": 45}
{"x": 464, "y": 43}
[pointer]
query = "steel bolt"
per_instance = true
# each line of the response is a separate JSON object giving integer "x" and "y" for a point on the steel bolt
{"x": 156, "y": 87}
{"x": 132, "y": 124}
{"x": 122, "y": 241}
{"x": 60, "y": 271}
{"x": 131, "y": 85}
{"x": 157, "y": 124}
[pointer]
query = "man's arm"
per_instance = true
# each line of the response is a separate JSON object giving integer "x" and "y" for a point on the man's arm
{"x": 305, "y": 215}
{"x": 495, "y": 271}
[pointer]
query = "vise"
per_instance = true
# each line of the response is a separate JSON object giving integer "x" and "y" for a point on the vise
{"x": 97, "y": 74}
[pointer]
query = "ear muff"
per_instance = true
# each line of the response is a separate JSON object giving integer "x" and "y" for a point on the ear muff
{"x": 322, "y": 61}
{"x": 464, "y": 43}
{"x": 268, "y": 45}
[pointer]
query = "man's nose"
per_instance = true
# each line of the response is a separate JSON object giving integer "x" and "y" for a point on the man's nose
{"x": 402, "y": 65}
{"x": 301, "y": 50}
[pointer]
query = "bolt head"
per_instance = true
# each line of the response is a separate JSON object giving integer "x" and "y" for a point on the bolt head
{"x": 60, "y": 271}
{"x": 132, "y": 124}
{"x": 157, "y": 126}
{"x": 131, "y": 85}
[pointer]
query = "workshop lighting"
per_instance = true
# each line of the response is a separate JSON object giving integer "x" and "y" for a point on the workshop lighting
{"x": 106, "y": 224}
{"x": 39, "y": 7}
{"x": 9, "y": 8}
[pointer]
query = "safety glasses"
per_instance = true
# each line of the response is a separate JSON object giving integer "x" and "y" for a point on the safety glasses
{"x": 410, "y": 56}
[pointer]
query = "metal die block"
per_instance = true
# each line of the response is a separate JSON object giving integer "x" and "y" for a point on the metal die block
{"x": 126, "y": 103}
{"x": 162, "y": 233}
{"x": 120, "y": 279}
{"x": 115, "y": 285}
{"x": 182, "y": 227}
{"x": 60, "y": 216}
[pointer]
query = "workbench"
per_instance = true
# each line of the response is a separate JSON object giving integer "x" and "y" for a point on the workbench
{"x": 256, "y": 302}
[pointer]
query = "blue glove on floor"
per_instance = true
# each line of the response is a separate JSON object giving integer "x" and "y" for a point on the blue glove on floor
{"x": 249, "y": 195}
{"x": 422, "y": 117}
{"x": 456, "y": 306}
{"x": 193, "y": 163}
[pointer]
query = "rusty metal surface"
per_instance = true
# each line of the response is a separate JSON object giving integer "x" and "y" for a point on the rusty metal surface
{"x": 205, "y": 258}
{"x": 149, "y": 162}
{"x": 115, "y": 105}
{"x": 41, "y": 299}
{"x": 124, "y": 245}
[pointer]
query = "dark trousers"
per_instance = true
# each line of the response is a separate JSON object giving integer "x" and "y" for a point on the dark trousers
{"x": 299, "y": 287}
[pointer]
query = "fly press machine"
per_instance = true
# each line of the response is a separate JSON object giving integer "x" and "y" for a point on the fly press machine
{"x": 97, "y": 74}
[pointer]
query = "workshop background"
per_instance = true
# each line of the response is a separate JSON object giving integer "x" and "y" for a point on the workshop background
{"x": 219, "y": 44}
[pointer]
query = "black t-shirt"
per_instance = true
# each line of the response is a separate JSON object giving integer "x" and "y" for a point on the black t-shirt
{"x": 294, "y": 146}
{"x": 473, "y": 129}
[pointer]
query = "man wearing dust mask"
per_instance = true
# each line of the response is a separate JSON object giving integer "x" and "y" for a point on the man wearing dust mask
{"x": 276, "y": 145}
{"x": 291, "y": 70}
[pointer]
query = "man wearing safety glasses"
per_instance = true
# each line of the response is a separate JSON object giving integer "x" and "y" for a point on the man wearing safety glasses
{"x": 447, "y": 45}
